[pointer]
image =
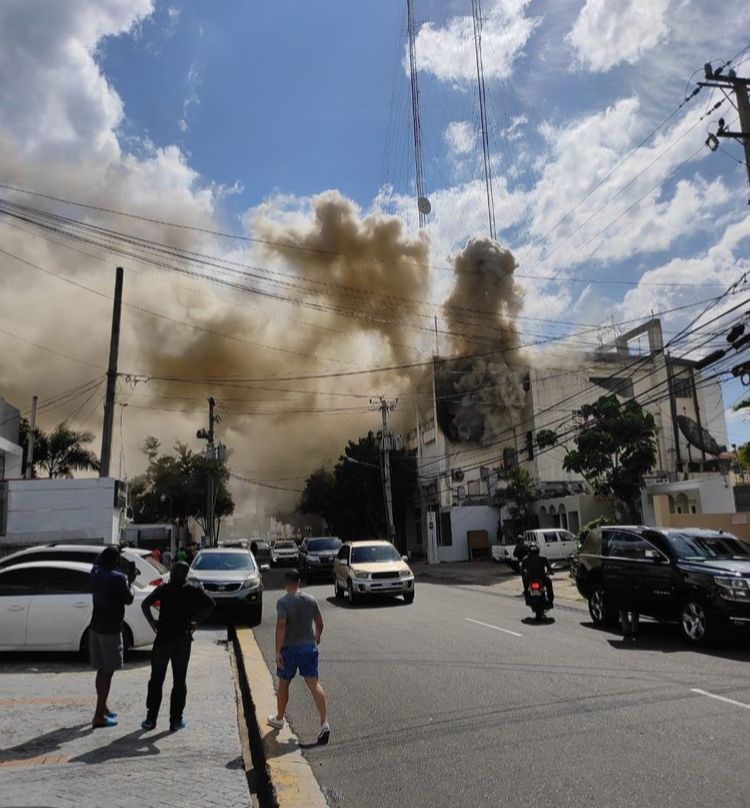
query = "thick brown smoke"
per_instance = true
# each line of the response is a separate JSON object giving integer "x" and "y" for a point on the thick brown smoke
{"x": 481, "y": 394}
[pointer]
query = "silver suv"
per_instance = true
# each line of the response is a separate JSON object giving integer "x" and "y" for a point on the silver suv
{"x": 232, "y": 578}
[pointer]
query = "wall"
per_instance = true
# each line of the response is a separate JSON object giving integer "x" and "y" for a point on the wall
{"x": 42, "y": 511}
{"x": 464, "y": 519}
{"x": 736, "y": 523}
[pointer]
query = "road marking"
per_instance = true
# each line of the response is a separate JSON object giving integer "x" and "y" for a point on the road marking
{"x": 496, "y": 628}
{"x": 719, "y": 698}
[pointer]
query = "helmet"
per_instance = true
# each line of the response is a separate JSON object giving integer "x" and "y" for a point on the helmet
{"x": 534, "y": 548}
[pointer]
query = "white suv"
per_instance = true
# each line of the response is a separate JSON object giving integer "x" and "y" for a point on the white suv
{"x": 371, "y": 568}
{"x": 556, "y": 544}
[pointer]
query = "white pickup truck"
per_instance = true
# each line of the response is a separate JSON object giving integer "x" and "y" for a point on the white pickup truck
{"x": 554, "y": 543}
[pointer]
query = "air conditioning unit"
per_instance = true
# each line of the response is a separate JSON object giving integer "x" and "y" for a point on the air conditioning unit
{"x": 457, "y": 475}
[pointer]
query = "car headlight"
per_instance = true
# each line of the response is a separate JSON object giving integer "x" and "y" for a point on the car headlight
{"x": 251, "y": 583}
{"x": 733, "y": 588}
{"x": 404, "y": 574}
{"x": 362, "y": 576}
{"x": 311, "y": 559}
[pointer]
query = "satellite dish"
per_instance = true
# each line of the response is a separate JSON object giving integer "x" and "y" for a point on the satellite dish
{"x": 423, "y": 203}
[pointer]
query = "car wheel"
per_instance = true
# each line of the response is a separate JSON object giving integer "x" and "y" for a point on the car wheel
{"x": 337, "y": 591}
{"x": 350, "y": 596}
{"x": 84, "y": 647}
{"x": 128, "y": 642}
{"x": 255, "y": 615}
{"x": 696, "y": 622}
{"x": 409, "y": 597}
{"x": 601, "y": 613}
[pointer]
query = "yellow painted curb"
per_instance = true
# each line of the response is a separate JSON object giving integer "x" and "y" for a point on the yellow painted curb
{"x": 291, "y": 777}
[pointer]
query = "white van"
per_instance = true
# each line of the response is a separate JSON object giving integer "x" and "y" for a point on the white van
{"x": 555, "y": 543}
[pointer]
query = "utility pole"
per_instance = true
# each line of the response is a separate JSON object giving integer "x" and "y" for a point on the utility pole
{"x": 109, "y": 402}
{"x": 739, "y": 86}
{"x": 386, "y": 444}
{"x": 423, "y": 203}
{"x": 30, "y": 440}
{"x": 208, "y": 435}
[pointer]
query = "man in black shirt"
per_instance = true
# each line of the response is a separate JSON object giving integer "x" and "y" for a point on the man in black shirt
{"x": 181, "y": 606}
{"x": 537, "y": 567}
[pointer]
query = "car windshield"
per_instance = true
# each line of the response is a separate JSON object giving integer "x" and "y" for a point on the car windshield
{"x": 378, "y": 552}
{"x": 323, "y": 545}
{"x": 285, "y": 545}
{"x": 158, "y": 566}
{"x": 223, "y": 561}
{"x": 695, "y": 547}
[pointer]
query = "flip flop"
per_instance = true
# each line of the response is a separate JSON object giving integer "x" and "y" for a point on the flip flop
{"x": 108, "y": 722}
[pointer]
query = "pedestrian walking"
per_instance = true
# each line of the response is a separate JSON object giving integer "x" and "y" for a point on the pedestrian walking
{"x": 111, "y": 592}
{"x": 181, "y": 607}
{"x": 181, "y": 555}
{"x": 299, "y": 626}
{"x": 166, "y": 558}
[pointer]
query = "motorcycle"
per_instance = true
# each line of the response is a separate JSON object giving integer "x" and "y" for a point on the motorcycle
{"x": 536, "y": 598}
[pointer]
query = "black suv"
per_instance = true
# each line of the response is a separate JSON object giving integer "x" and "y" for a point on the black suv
{"x": 700, "y": 578}
{"x": 316, "y": 557}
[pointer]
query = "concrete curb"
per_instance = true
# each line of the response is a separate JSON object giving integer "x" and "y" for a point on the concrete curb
{"x": 291, "y": 779}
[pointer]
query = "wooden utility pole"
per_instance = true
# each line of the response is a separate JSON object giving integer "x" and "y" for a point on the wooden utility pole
{"x": 30, "y": 440}
{"x": 109, "y": 402}
{"x": 739, "y": 86}
{"x": 386, "y": 442}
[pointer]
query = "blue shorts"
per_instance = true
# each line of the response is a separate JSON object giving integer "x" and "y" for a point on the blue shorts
{"x": 299, "y": 657}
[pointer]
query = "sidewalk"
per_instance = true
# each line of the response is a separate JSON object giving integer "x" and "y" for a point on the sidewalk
{"x": 51, "y": 757}
{"x": 496, "y": 577}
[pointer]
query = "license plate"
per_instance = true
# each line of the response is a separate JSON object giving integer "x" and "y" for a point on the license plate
{"x": 535, "y": 593}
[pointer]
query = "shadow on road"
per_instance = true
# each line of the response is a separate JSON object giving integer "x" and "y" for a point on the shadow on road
{"x": 374, "y": 602}
{"x": 532, "y": 621}
{"x": 665, "y": 638}
{"x": 45, "y": 744}
{"x": 134, "y": 744}
{"x": 60, "y": 661}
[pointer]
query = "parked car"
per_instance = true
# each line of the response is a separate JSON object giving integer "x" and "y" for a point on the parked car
{"x": 555, "y": 543}
{"x": 150, "y": 571}
{"x": 316, "y": 557}
{"x": 283, "y": 551}
{"x": 232, "y": 579}
{"x": 371, "y": 568}
{"x": 261, "y": 551}
{"x": 47, "y": 606}
{"x": 699, "y": 578}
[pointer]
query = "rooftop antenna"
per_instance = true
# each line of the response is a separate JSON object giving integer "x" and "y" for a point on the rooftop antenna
{"x": 476, "y": 13}
{"x": 423, "y": 203}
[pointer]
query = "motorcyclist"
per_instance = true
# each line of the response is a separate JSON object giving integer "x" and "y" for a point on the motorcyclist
{"x": 537, "y": 567}
{"x": 520, "y": 551}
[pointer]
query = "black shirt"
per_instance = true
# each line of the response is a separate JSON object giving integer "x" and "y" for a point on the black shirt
{"x": 111, "y": 593}
{"x": 536, "y": 566}
{"x": 179, "y": 606}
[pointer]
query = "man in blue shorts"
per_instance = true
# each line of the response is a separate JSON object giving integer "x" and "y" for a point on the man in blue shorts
{"x": 299, "y": 627}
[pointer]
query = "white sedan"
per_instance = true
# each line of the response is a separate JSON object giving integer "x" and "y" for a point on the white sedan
{"x": 47, "y": 606}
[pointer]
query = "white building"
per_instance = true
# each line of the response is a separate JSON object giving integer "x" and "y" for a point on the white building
{"x": 463, "y": 479}
{"x": 11, "y": 453}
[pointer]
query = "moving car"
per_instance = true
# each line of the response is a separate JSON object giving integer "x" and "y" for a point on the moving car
{"x": 371, "y": 568}
{"x": 316, "y": 557}
{"x": 232, "y": 579}
{"x": 149, "y": 569}
{"x": 283, "y": 551}
{"x": 555, "y": 543}
{"x": 47, "y": 606}
{"x": 699, "y": 578}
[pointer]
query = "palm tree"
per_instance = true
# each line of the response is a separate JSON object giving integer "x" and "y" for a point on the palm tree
{"x": 64, "y": 450}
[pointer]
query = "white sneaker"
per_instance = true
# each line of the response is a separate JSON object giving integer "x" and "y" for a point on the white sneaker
{"x": 276, "y": 723}
{"x": 324, "y": 734}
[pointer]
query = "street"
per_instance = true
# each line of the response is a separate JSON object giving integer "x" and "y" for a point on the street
{"x": 461, "y": 700}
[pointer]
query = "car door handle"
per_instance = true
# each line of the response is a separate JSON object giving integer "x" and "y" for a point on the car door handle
{"x": 81, "y": 605}
{"x": 16, "y": 608}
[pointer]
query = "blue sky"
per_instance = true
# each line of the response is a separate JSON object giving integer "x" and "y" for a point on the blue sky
{"x": 236, "y": 115}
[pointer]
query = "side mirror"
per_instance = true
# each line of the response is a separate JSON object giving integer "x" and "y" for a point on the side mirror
{"x": 265, "y": 567}
{"x": 404, "y": 558}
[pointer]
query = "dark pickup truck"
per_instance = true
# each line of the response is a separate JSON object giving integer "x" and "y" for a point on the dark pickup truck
{"x": 698, "y": 578}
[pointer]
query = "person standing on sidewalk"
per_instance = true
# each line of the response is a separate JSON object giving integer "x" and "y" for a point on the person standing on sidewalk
{"x": 181, "y": 607}
{"x": 299, "y": 627}
{"x": 111, "y": 592}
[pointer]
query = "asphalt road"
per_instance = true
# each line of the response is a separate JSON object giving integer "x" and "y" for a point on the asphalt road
{"x": 431, "y": 709}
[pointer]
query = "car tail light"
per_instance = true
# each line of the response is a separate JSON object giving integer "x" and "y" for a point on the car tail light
{"x": 156, "y": 582}
{"x": 535, "y": 585}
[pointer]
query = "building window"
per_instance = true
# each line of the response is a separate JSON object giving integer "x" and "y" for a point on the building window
{"x": 445, "y": 533}
{"x": 682, "y": 386}
{"x": 473, "y": 488}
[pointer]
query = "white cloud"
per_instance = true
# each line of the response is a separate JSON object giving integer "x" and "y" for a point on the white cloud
{"x": 610, "y": 32}
{"x": 192, "y": 99}
{"x": 460, "y": 136}
{"x": 447, "y": 52}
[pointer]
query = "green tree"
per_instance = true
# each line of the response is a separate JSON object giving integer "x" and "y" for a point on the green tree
{"x": 63, "y": 451}
{"x": 176, "y": 485}
{"x": 614, "y": 450}
{"x": 350, "y": 497}
{"x": 520, "y": 494}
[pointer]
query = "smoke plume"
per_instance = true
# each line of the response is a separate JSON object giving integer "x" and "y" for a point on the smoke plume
{"x": 481, "y": 394}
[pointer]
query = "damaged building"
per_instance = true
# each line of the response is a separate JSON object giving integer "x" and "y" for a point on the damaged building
{"x": 481, "y": 417}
